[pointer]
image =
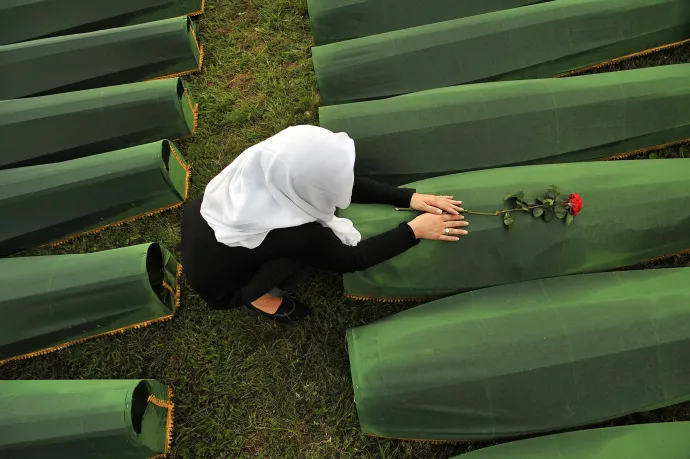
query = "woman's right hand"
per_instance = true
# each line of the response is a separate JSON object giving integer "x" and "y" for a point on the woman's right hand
{"x": 444, "y": 227}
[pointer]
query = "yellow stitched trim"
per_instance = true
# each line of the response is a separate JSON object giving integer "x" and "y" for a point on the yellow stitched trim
{"x": 168, "y": 287}
{"x": 178, "y": 290}
{"x": 170, "y": 406}
{"x": 203, "y": 7}
{"x": 48, "y": 350}
{"x": 388, "y": 300}
{"x": 126, "y": 220}
{"x": 623, "y": 58}
{"x": 435, "y": 442}
{"x": 646, "y": 150}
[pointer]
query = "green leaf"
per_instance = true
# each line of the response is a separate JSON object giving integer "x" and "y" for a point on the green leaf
{"x": 554, "y": 192}
{"x": 550, "y": 202}
{"x": 541, "y": 200}
{"x": 538, "y": 212}
{"x": 508, "y": 220}
{"x": 569, "y": 219}
{"x": 522, "y": 205}
{"x": 561, "y": 212}
{"x": 653, "y": 156}
{"x": 549, "y": 215}
{"x": 520, "y": 195}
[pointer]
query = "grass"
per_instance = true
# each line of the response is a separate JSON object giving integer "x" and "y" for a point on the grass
{"x": 246, "y": 388}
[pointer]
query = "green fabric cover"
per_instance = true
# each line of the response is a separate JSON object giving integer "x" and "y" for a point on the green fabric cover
{"x": 633, "y": 211}
{"x": 56, "y": 300}
{"x": 96, "y": 59}
{"x": 338, "y": 20}
{"x": 669, "y": 440}
{"x": 526, "y": 358}
{"x": 31, "y": 19}
{"x": 479, "y": 126}
{"x": 66, "y": 126}
{"x": 85, "y": 419}
{"x": 537, "y": 41}
{"x": 42, "y": 204}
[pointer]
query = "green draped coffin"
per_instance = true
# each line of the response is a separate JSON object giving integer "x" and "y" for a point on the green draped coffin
{"x": 104, "y": 58}
{"x": 669, "y": 440}
{"x": 338, "y": 20}
{"x": 104, "y": 419}
{"x": 634, "y": 211}
{"x": 526, "y": 358}
{"x": 66, "y": 126}
{"x": 537, "y": 41}
{"x": 31, "y": 19}
{"x": 56, "y": 301}
{"x": 54, "y": 202}
{"x": 481, "y": 126}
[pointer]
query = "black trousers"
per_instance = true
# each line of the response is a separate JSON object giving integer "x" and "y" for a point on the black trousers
{"x": 281, "y": 274}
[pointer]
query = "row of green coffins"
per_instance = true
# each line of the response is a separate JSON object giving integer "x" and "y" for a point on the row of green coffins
{"x": 30, "y": 20}
{"x": 46, "y": 129}
{"x": 668, "y": 441}
{"x": 528, "y": 358}
{"x": 56, "y": 301}
{"x": 97, "y": 59}
{"x": 480, "y": 126}
{"x": 536, "y": 41}
{"x": 634, "y": 211}
{"x": 105, "y": 419}
{"x": 338, "y": 20}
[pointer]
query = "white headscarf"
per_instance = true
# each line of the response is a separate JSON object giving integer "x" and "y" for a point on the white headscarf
{"x": 298, "y": 176}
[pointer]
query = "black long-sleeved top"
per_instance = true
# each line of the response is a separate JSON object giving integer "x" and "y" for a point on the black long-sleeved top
{"x": 217, "y": 271}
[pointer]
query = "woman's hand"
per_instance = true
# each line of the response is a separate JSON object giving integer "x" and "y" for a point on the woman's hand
{"x": 439, "y": 227}
{"x": 435, "y": 204}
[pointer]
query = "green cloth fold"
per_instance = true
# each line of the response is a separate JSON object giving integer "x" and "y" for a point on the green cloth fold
{"x": 61, "y": 127}
{"x": 526, "y": 358}
{"x": 97, "y": 59}
{"x": 670, "y": 440}
{"x": 56, "y": 301}
{"x": 31, "y": 19}
{"x": 53, "y": 202}
{"x": 537, "y": 41}
{"x": 104, "y": 419}
{"x": 633, "y": 211}
{"x": 338, "y": 20}
{"x": 480, "y": 126}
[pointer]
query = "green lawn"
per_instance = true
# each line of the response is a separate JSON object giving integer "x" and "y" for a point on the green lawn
{"x": 245, "y": 388}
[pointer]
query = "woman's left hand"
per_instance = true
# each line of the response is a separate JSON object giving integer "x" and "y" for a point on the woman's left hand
{"x": 435, "y": 204}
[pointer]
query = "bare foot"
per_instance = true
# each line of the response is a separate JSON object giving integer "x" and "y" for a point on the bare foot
{"x": 268, "y": 303}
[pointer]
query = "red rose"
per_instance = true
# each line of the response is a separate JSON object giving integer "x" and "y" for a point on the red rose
{"x": 575, "y": 201}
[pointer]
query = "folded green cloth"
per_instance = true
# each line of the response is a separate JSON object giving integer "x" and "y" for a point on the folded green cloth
{"x": 31, "y": 19}
{"x": 57, "y": 301}
{"x": 670, "y": 440}
{"x": 60, "y": 127}
{"x": 537, "y": 41}
{"x": 338, "y": 20}
{"x": 634, "y": 211}
{"x": 526, "y": 358}
{"x": 480, "y": 126}
{"x": 55, "y": 202}
{"x": 104, "y": 419}
{"x": 96, "y": 59}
